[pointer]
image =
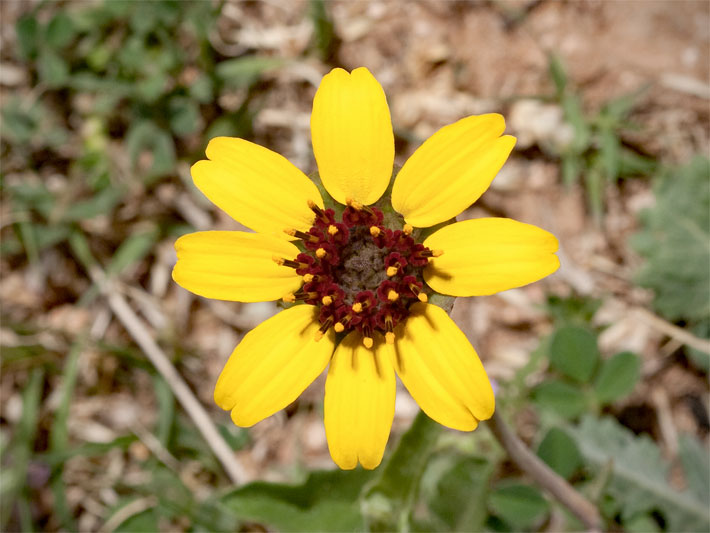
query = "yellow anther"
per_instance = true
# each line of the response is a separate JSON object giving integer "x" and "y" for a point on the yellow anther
{"x": 437, "y": 253}
{"x": 338, "y": 327}
{"x": 290, "y": 231}
{"x": 278, "y": 260}
{"x": 357, "y": 206}
{"x": 357, "y": 307}
{"x": 375, "y": 231}
{"x": 318, "y": 336}
{"x": 408, "y": 229}
{"x": 332, "y": 230}
{"x": 423, "y": 297}
{"x": 307, "y": 278}
{"x": 311, "y": 204}
{"x": 327, "y": 300}
{"x": 392, "y": 271}
{"x": 321, "y": 253}
{"x": 389, "y": 337}
{"x": 367, "y": 341}
{"x": 392, "y": 296}
{"x": 289, "y": 298}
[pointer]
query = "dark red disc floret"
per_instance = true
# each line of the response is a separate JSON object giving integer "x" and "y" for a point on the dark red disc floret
{"x": 360, "y": 274}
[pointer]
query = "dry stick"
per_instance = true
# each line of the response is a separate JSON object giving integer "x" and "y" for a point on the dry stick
{"x": 673, "y": 331}
{"x": 192, "y": 406}
{"x": 543, "y": 475}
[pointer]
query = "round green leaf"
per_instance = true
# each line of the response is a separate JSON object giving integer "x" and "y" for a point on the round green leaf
{"x": 560, "y": 452}
{"x": 573, "y": 351}
{"x": 184, "y": 116}
{"x": 562, "y": 398}
{"x": 617, "y": 377}
{"x": 519, "y": 505}
{"x": 60, "y": 30}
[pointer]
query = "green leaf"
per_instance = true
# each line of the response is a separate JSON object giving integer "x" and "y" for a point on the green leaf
{"x": 202, "y": 89}
{"x": 460, "y": 500}
{"x": 557, "y": 73}
{"x": 522, "y": 506}
{"x": 574, "y": 352}
{"x": 572, "y": 107}
{"x": 571, "y": 168}
{"x": 617, "y": 377}
{"x": 132, "y": 250}
{"x": 610, "y": 146}
{"x": 641, "y": 523}
{"x": 388, "y": 502}
{"x": 146, "y": 136}
{"x": 560, "y": 452}
{"x": 675, "y": 242}
{"x": 695, "y": 459}
{"x": 100, "y": 204}
{"x": 146, "y": 520}
{"x": 59, "y": 436}
{"x": 184, "y": 116}
{"x": 14, "y": 477}
{"x": 245, "y": 71}
{"x": 52, "y": 69}
{"x": 324, "y": 36}
{"x": 639, "y": 479}
{"x": 27, "y": 31}
{"x": 60, "y": 30}
{"x": 326, "y": 501}
{"x": 572, "y": 309}
{"x": 562, "y": 398}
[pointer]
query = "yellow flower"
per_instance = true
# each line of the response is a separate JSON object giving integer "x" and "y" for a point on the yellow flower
{"x": 364, "y": 279}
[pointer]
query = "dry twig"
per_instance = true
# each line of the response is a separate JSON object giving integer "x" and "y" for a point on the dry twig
{"x": 138, "y": 330}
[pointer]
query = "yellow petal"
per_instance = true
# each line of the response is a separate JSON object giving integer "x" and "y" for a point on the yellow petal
{"x": 451, "y": 170}
{"x": 234, "y": 265}
{"x": 359, "y": 402}
{"x": 352, "y": 136}
{"x": 441, "y": 370}
{"x": 272, "y": 365}
{"x": 489, "y": 255}
{"x": 255, "y": 186}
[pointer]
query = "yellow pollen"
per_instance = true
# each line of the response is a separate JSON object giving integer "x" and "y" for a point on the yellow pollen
{"x": 392, "y": 271}
{"x": 290, "y": 231}
{"x": 327, "y": 300}
{"x": 389, "y": 337}
{"x": 332, "y": 230}
{"x": 437, "y": 253}
{"x": 318, "y": 336}
{"x": 374, "y": 231}
{"x": 278, "y": 260}
{"x": 338, "y": 327}
{"x": 320, "y": 253}
{"x": 307, "y": 278}
{"x": 311, "y": 204}
{"x": 392, "y": 296}
{"x": 289, "y": 298}
{"x": 408, "y": 229}
{"x": 367, "y": 341}
{"x": 354, "y": 204}
{"x": 357, "y": 307}
{"x": 423, "y": 297}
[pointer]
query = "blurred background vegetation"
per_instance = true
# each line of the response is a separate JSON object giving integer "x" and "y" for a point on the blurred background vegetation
{"x": 602, "y": 368}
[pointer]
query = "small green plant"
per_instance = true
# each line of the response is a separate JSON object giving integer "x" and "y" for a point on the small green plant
{"x": 597, "y": 152}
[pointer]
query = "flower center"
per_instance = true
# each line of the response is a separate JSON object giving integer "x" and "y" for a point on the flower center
{"x": 360, "y": 274}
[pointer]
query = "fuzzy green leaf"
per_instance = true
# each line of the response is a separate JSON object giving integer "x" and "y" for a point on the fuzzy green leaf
{"x": 675, "y": 242}
{"x": 639, "y": 479}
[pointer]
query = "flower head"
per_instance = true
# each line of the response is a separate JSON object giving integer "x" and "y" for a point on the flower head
{"x": 360, "y": 267}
